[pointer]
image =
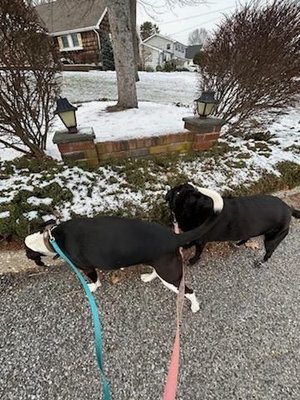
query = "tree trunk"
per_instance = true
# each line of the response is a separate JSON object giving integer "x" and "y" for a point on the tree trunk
{"x": 121, "y": 31}
{"x": 135, "y": 38}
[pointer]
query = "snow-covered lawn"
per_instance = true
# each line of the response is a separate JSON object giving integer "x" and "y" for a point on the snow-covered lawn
{"x": 157, "y": 87}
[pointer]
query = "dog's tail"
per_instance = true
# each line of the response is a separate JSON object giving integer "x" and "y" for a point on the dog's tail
{"x": 295, "y": 213}
{"x": 199, "y": 232}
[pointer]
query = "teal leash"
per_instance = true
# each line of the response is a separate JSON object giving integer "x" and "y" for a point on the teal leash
{"x": 95, "y": 315}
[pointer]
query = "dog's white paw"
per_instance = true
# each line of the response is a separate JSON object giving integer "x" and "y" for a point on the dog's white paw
{"x": 148, "y": 277}
{"x": 94, "y": 286}
{"x": 195, "y": 307}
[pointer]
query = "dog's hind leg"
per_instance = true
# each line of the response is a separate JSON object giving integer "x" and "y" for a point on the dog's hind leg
{"x": 188, "y": 293}
{"x": 169, "y": 271}
{"x": 272, "y": 240}
{"x": 91, "y": 273}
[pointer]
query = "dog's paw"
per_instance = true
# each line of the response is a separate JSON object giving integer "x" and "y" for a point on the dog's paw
{"x": 93, "y": 286}
{"x": 148, "y": 277}
{"x": 195, "y": 307}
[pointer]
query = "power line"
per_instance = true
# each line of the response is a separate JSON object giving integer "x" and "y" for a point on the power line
{"x": 195, "y": 16}
{"x": 192, "y": 27}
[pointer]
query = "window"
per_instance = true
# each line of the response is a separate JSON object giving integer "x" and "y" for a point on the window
{"x": 70, "y": 42}
{"x": 65, "y": 41}
{"x": 168, "y": 46}
{"x": 75, "y": 40}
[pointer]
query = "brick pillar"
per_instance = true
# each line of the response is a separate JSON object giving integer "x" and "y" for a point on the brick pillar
{"x": 206, "y": 131}
{"x": 78, "y": 147}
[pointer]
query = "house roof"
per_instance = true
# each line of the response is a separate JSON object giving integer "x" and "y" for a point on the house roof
{"x": 152, "y": 47}
{"x": 191, "y": 51}
{"x": 62, "y": 16}
{"x": 163, "y": 37}
{"x": 159, "y": 35}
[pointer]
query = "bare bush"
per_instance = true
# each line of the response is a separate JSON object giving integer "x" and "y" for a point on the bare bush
{"x": 28, "y": 85}
{"x": 253, "y": 60}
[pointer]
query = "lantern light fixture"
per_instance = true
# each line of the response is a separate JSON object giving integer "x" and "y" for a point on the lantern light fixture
{"x": 205, "y": 104}
{"x": 67, "y": 113}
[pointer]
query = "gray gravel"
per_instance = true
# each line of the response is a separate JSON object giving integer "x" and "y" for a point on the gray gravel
{"x": 243, "y": 344}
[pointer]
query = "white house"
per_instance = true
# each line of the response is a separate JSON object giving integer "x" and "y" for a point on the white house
{"x": 157, "y": 49}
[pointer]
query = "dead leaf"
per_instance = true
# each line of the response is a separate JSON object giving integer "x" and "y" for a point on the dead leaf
{"x": 115, "y": 277}
{"x": 252, "y": 244}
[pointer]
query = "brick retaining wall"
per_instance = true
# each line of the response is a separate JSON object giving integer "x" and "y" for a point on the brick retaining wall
{"x": 199, "y": 135}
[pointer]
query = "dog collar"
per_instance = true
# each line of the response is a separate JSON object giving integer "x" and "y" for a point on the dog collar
{"x": 47, "y": 236}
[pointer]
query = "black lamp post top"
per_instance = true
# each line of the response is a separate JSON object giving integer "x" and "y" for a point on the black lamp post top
{"x": 207, "y": 96}
{"x": 63, "y": 105}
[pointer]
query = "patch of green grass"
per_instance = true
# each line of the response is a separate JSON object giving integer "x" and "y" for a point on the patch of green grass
{"x": 16, "y": 225}
{"x": 268, "y": 183}
{"x": 294, "y": 148}
{"x": 244, "y": 156}
{"x": 262, "y": 136}
{"x": 238, "y": 164}
{"x": 262, "y": 146}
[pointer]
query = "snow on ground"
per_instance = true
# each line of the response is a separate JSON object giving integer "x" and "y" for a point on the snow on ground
{"x": 150, "y": 119}
{"x": 159, "y": 87}
{"x": 108, "y": 189}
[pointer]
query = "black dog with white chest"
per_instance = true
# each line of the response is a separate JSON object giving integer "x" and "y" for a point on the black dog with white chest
{"x": 111, "y": 243}
{"x": 241, "y": 218}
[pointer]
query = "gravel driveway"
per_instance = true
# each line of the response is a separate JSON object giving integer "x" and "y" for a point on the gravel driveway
{"x": 242, "y": 344}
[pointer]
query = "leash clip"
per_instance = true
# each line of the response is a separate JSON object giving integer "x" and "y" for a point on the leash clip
{"x": 51, "y": 238}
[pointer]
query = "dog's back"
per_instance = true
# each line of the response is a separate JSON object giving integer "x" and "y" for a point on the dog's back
{"x": 245, "y": 217}
{"x": 112, "y": 242}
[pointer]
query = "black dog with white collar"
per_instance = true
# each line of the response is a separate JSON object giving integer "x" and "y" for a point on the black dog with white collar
{"x": 111, "y": 243}
{"x": 241, "y": 218}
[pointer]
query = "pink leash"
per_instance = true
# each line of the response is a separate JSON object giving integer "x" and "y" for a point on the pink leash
{"x": 172, "y": 378}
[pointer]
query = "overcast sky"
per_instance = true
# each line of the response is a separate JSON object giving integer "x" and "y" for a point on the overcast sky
{"x": 179, "y": 22}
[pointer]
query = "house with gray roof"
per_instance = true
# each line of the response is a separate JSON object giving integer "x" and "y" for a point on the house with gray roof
{"x": 77, "y": 28}
{"x": 157, "y": 49}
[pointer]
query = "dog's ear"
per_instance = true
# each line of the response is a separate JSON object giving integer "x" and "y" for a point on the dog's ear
{"x": 204, "y": 204}
{"x": 198, "y": 203}
{"x": 35, "y": 256}
{"x": 190, "y": 199}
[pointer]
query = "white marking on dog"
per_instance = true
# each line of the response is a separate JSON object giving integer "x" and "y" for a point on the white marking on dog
{"x": 195, "y": 306}
{"x": 190, "y": 296}
{"x": 149, "y": 277}
{"x": 215, "y": 196}
{"x": 35, "y": 242}
{"x": 94, "y": 286}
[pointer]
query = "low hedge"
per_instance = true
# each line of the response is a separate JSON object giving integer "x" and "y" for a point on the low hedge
{"x": 148, "y": 178}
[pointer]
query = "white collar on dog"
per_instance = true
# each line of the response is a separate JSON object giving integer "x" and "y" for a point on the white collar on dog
{"x": 215, "y": 196}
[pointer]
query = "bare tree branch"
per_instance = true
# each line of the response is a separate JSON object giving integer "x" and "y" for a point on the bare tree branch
{"x": 28, "y": 84}
{"x": 252, "y": 62}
